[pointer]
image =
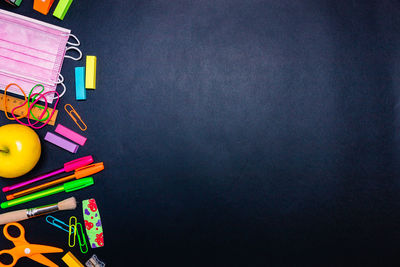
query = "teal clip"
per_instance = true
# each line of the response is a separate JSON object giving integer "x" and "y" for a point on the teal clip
{"x": 59, "y": 224}
{"x": 84, "y": 244}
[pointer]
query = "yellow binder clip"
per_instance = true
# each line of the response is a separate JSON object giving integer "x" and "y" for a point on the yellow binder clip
{"x": 75, "y": 117}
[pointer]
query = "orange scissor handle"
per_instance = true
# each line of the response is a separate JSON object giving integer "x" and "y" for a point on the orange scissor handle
{"x": 19, "y": 240}
{"x": 10, "y": 252}
{"x": 17, "y": 252}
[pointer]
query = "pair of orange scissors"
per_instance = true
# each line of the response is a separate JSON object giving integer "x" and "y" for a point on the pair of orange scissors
{"x": 25, "y": 249}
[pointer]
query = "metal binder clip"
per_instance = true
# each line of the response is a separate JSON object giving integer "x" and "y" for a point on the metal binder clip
{"x": 72, "y": 230}
{"x": 57, "y": 223}
{"x": 75, "y": 117}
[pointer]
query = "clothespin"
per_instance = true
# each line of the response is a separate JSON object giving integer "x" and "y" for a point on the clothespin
{"x": 42, "y": 6}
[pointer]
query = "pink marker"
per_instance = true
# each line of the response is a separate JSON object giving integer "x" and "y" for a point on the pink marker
{"x": 68, "y": 167}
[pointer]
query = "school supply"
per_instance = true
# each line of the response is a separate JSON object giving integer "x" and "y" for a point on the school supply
{"x": 71, "y": 135}
{"x": 75, "y": 117}
{"x": 78, "y": 174}
{"x": 83, "y": 247}
{"x": 57, "y": 223}
{"x": 90, "y": 78}
{"x": 32, "y": 52}
{"x": 94, "y": 262}
{"x": 62, "y": 9}
{"x": 22, "y": 110}
{"x": 14, "y": 2}
{"x": 67, "y": 187}
{"x": 61, "y": 142}
{"x": 72, "y": 230}
{"x": 93, "y": 226}
{"x": 42, "y": 6}
{"x": 20, "y": 215}
{"x": 71, "y": 260}
{"x": 80, "y": 83}
{"x": 30, "y": 105}
{"x": 24, "y": 249}
{"x": 68, "y": 167}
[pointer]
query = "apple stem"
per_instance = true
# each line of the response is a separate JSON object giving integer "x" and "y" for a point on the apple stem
{"x": 4, "y": 150}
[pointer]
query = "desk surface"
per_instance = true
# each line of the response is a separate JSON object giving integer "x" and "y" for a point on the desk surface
{"x": 236, "y": 133}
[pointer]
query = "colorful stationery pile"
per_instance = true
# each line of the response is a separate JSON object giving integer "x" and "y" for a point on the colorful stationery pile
{"x": 31, "y": 69}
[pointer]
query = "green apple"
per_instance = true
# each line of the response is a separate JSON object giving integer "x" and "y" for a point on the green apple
{"x": 19, "y": 150}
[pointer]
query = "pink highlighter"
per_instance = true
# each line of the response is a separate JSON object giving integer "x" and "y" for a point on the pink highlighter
{"x": 68, "y": 167}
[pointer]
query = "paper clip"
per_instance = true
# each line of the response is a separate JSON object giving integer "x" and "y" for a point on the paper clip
{"x": 75, "y": 117}
{"x": 57, "y": 223}
{"x": 82, "y": 234}
{"x": 72, "y": 230}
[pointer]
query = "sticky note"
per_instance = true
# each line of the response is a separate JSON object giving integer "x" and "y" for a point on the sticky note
{"x": 61, "y": 142}
{"x": 80, "y": 83}
{"x": 71, "y": 135}
{"x": 42, "y": 6}
{"x": 90, "y": 78}
{"x": 62, "y": 8}
{"x": 71, "y": 260}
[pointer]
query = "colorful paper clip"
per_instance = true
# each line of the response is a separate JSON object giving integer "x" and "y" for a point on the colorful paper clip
{"x": 57, "y": 223}
{"x": 72, "y": 231}
{"x": 75, "y": 117}
{"x": 81, "y": 236}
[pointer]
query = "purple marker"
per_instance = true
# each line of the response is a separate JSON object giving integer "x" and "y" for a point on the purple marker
{"x": 68, "y": 167}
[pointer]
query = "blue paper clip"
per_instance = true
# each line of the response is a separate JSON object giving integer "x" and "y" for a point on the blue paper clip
{"x": 59, "y": 224}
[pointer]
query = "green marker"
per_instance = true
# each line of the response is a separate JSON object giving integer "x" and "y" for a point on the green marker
{"x": 14, "y": 2}
{"x": 67, "y": 187}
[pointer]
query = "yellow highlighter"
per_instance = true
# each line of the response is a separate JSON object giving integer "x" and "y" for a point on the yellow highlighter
{"x": 90, "y": 78}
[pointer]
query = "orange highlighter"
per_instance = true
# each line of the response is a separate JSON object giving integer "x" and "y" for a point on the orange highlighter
{"x": 79, "y": 173}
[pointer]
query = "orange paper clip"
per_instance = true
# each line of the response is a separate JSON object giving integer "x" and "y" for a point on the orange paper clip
{"x": 75, "y": 117}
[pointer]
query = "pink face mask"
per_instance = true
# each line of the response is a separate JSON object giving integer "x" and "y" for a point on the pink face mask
{"x": 32, "y": 52}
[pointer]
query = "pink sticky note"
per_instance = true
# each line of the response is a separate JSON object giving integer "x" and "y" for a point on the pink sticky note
{"x": 61, "y": 142}
{"x": 71, "y": 135}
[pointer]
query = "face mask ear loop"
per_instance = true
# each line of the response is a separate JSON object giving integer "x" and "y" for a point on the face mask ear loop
{"x": 77, "y": 50}
{"x": 61, "y": 82}
{"x": 60, "y": 78}
{"x": 78, "y": 43}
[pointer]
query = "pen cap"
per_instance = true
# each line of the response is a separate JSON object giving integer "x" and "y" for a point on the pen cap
{"x": 89, "y": 170}
{"x": 78, "y": 163}
{"x": 78, "y": 184}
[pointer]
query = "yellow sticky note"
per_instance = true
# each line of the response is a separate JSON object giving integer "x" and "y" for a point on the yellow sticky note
{"x": 90, "y": 79}
{"x": 71, "y": 261}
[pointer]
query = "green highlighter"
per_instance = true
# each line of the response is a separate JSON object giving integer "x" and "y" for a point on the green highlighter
{"x": 67, "y": 187}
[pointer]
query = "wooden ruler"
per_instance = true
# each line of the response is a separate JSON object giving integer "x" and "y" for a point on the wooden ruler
{"x": 13, "y": 102}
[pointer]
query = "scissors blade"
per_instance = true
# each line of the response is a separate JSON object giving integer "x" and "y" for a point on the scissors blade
{"x": 43, "y": 260}
{"x": 38, "y": 249}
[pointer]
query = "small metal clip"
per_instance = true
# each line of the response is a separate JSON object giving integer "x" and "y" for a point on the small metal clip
{"x": 75, "y": 117}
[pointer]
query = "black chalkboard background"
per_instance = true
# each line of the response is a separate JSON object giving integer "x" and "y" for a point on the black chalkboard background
{"x": 235, "y": 133}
